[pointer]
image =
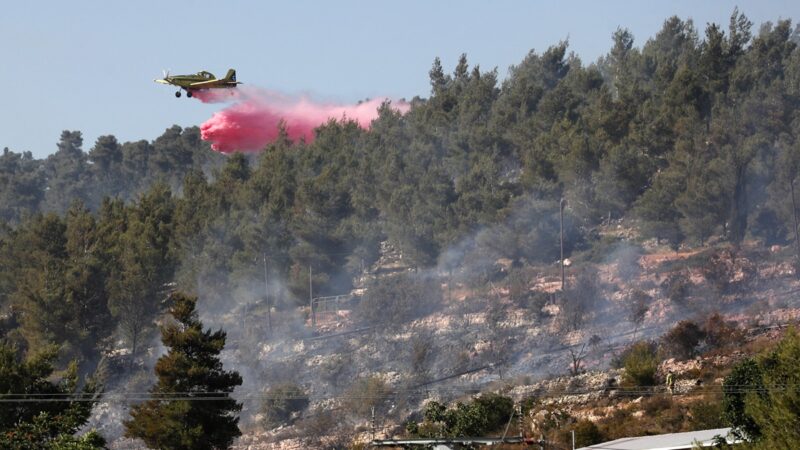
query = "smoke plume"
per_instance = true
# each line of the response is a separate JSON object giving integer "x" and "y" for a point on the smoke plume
{"x": 253, "y": 120}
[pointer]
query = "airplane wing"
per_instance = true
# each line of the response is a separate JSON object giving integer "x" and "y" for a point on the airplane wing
{"x": 201, "y": 84}
{"x": 212, "y": 83}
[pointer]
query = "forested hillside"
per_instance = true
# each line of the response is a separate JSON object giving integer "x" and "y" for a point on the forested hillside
{"x": 692, "y": 135}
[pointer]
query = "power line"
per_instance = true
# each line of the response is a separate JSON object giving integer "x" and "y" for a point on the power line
{"x": 636, "y": 391}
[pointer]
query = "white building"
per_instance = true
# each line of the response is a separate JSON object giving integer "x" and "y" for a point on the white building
{"x": 672, "y": 441}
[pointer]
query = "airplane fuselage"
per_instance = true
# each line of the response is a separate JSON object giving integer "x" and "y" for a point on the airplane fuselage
{"x": 199, "y": 81}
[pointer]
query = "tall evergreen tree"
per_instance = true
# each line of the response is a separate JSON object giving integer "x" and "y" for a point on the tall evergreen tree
{"x": 191, "y": 406}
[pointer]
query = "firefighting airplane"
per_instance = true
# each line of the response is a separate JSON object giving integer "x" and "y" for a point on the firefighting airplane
{"x": 200, "y": 80}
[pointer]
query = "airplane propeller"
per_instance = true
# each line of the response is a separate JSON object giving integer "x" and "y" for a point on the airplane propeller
{"x": 165, "y": 73}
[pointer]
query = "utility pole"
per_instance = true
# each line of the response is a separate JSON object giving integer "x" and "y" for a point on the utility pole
{"x": 267, "y": 297}
{"x": 311, "y": 298}
{"x": 561, "y": 226}
{"x": 794, "y": 213}
{"x": 373, "y": 423}
{"x": 450, "y": 284}
{"x": 244, "y": 319}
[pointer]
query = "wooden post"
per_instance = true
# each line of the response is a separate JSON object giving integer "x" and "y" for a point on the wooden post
{"x": 244, "y": 319}
{"x": 267, "y": 297}
{"x": 450, "y": 284}
{"x": 311, "y": 298}
{"x": 561, "y": 226}
{"x": 794, "y": 213}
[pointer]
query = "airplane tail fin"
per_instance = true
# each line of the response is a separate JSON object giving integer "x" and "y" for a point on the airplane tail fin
{"x": 231, "y": 75}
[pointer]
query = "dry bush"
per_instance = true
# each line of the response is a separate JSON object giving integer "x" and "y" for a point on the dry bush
{"x": 421, "y": 353}
{"x": 399, "y": 299}
{"x": 653, "y": 406}
{"x": 332, "y": 369}
{"x": 681, "y": 341}
{"x": 518, "y": 284}
{"x": 676, "y": 287}
{"x": 721, "y": 334}
{"x": 325, "y": 430}
{"x": 706, "y": 413}
{"x": 580, "y": 300}
{"x": 536, "y": 303}
{"x": 728, "y": 274}
{"x": 638, "y": 305}
{"x": 628, "y": 256}
{"x": 365, "y": 394}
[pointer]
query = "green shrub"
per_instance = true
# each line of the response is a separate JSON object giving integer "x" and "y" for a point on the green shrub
{"x": 745, "y": 376}
{"x": 488, "y": 413}
{"x": 587, "y": 433}
{"x": 497, "y": 408}
{"x": 281, "y": 402}
{"x": 640, "y": 365}
{"x": 774, "y": 408}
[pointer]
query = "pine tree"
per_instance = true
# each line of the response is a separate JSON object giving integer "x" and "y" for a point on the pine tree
{"x": 776, "y": 410}
{"x": 191, "y": 406}
{"x": 47, "y": 424}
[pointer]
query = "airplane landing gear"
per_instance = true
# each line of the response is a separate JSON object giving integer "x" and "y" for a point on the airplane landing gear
{"x": 189, "y": 94}
{"x": 178, "y": 94}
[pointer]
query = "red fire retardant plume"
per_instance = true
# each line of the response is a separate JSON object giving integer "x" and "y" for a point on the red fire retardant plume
{"x": 253, "y": 120}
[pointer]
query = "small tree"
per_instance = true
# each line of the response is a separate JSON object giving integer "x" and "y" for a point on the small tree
{"x": 577, "y": 355}
{"x": 681, "y": 341}
{"x": 745, "y": 377}
{"x": 594, "y": 342}
{"x": 720, "y": 333}
{"x": 191, "y": 406}
{"x": 421, "y": 354}
{"x": 640, "y": 365}
{"x": 580, "y": 300}
{"x": 639, "y": 304}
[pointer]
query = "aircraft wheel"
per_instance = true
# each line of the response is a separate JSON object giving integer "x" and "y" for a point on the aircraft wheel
{"x": 178, "y": 94}
{"x": 189, "y": 94}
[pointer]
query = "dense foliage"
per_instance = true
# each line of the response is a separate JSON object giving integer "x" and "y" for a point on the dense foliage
{"x": 484, "y": 414}
{"x": 26, "y": 424}
{"x": 762, "y": 397}
{"x": 641, "y": 364}
{"x": 191, "y": 406}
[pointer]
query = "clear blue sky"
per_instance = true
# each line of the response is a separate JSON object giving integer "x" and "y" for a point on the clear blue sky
{"x": 89, "y": 65}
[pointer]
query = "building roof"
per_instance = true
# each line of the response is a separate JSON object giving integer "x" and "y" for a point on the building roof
{"x": 672, "y": 441}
